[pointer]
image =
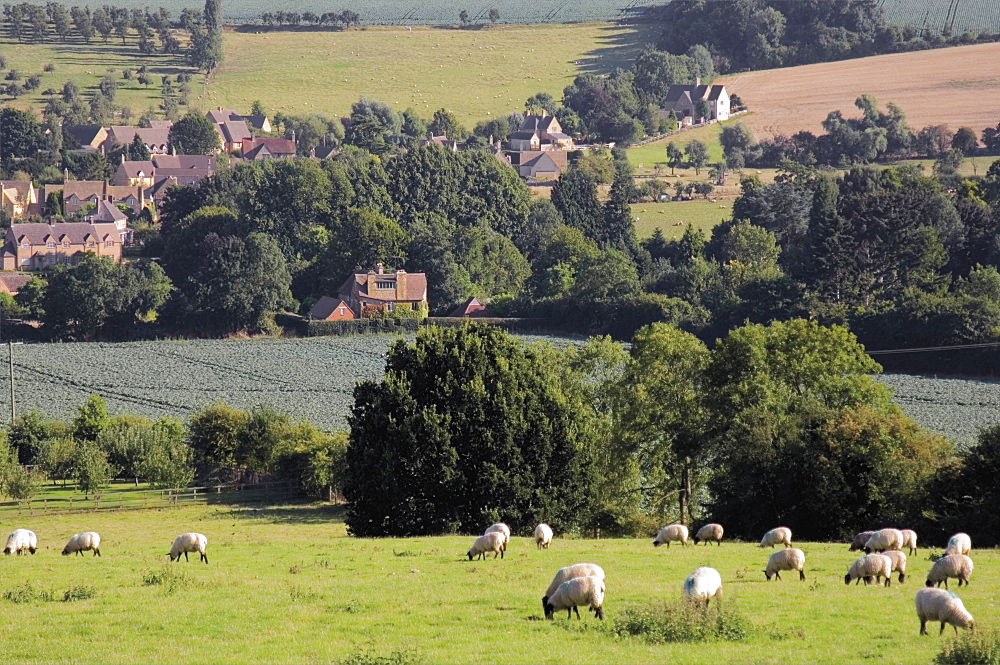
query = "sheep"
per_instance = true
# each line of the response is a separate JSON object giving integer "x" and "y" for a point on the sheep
{"x": 670, "y": 533}
{"x": 884, "y": 539}
{"x": 940, "y": 605}
{"x": 898, "y": 563}
{"x": 490, "y": 542}
{"x": 83, "y": 542}
{"x": 708, "y": 533}
{"x": 790, "y": 558}
{"x": 950, "y": 565}
{"x": 189, "y": 542}
{"x": 960, "y": 543}
{"x": 500, "y": 527}
{"x": 543, "y": 536}
{"x": 859, "y": 541}
{"x": 569, "y": 573}
{"x": 21, "y": 540}
{"x": 869, "y": 566}
{"x": 577, "y": 591}
{"x": 909, "y": 540}
{"x": 781, "y": 534}
{"x": 703, "y": 584}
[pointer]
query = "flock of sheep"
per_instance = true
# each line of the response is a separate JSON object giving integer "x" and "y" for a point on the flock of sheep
{"x": 583, "y": 583}
{"x": 24, "y": 540}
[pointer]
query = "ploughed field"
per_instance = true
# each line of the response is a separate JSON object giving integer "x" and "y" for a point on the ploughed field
{"x": 287, "y": 585}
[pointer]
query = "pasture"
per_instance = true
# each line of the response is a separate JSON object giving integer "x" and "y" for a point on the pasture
{"x": 674, "y": 216}
{"x": 475, "y": 74}
{"x": 925, "y": 84}
{"x": 286, "y": 584}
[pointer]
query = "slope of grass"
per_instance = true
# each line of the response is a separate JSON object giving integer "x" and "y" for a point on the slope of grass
{"x": 674, "y": 216}
{"x": 646, "y": 157}
{"x": 287, "y": 585}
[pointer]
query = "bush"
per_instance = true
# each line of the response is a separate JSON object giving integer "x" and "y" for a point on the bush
{"x": 368, "y": 657}
{"x": 79, "y": 593}
{"x": 981, "y": 648}
{"x": 683, "y": 621}
{"x": 25, "y": 593}
{"x": 360, "y": 327}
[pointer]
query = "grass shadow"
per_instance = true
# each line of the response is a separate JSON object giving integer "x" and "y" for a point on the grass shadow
{"x": 618, "y": 50}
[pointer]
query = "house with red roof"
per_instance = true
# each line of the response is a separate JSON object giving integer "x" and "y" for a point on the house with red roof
{"x": 331, "y": 309}
{"x": 471, "y": 309}
{"x": 376, "y": 292}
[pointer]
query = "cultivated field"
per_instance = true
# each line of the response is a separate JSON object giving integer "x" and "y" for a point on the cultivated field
{"x": 935, "y": 15}
{"x": 286, "y": 585}
{"x": 927, "y": 85}
{"x": 473, "y": 73}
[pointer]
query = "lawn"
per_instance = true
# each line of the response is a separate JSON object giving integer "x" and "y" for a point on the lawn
{"x": 475, "y": 74}
{"x": 645, "y": 157}
{"x": 287, "y": 585}
{"x": 674, "y": 216}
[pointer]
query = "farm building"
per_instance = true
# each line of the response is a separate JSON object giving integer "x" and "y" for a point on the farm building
{"x": 471, "y": 309}
{"x": 376, "y": 291}
{"x": 540, "y": 132}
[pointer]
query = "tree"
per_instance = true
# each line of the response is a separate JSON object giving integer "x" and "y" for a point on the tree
{"x": 21, "y": 135}
{"x": 697, "y": 154}
{"x": 736, "y": 140}
{"x": 463, "y": 16}
{"x": 466, "y": 426}
{"x": 213, "y": 435}
{"x": 965, "y": 141}
{"x": 194, "y": 134}
{"x": 166, "y": 461}
{"x": 83, "y": 22}
{"x": 444, "y": 123}
{"x": 91, "y": 469}
{"x": 674, "y": 156}
{"x": 137, "y": 151}
{"x": 315, "y": 459}
{"x": 575, "y": 197}
{"x": 91, "y": 419}
{"x": 494, "y": 15}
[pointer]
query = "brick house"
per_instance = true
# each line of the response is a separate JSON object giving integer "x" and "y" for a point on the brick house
{"x": 38, "y": 246}
{"x": 134, "y": 174}
{"x": 683, "y": 101}
{"x": 13, "y": 282}
{"x": 377, "y": 291}
{"x": 471, "y": 309}
{"x": 268, "y": 148}
{"x": 78, "y": 193}
{"x": 331, "y": 309}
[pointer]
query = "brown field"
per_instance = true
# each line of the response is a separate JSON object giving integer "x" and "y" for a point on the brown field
{"x": 958, "y": 87}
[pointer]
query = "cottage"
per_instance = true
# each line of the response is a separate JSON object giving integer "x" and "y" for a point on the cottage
{"x": 268, "y": 148}
{"x": 39, "y": 246}
{"x": 134, "y": 174}
{"x": 684, "y": 100}
{"x": 18, "y": 198}
{"x": 323, "y": 151}
{"x": 540, "y": 165}
{"x": 13, "y": 282}
{"x": 154, "y": 138}
{"x": 331, "y": 309}
{"x": 376, "y": 291}
{"x": 540, "y": 132}
{"x": 76, "y": 194}
{"x": 443, "y": 141}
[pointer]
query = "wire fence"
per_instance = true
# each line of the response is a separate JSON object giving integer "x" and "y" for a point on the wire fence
{"x": 234, "y": 493}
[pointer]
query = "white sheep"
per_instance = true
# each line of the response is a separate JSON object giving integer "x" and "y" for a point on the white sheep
{"x": 960, "y": 543}
{"x": 703, "y": 584}
{"x": 502, "y": 528}
{"x": 490, "y": 542}
{"x": 781, "y": 534}
{"x": 21, "y": 540}
{"x": 708, "y": 533}
{"x": 870, "y": 566}
{"x": 543, "y": 536}
{"x": 859, "y": 541}
{"x": 884, "y": 539}
{"x": 83, "y": 542}
{"x": 578, "y": 591}
{"x": 670, "y": 533}
{"x": 909, "y": 540}
{"x": 950, "y": 565}
{"x": 940, "y": 605}
{"x": 569, "y": 573}
{"x": 898, "y": 563}
{"x": 189, "y": 542}
{"x": 790, "y": 558}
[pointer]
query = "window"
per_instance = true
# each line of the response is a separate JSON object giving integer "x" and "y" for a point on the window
{"x": 111, "y": 243}
{"x": 74, "y": 200}
{"x": 50, "y": 245}
{"x": 341, "y": 311}
{"x": 65, "y": 243}
{"x": 26, "y": 262}
{"x": 50, "y": 259}
{"x": 90, "y": 243}
{"x": 388, "y": 306}
{"x": 25, "y": 245}
{"x": 385, "y": 285}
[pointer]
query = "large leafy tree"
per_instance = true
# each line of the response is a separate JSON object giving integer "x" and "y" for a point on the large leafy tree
{"x": 468, "y": 426}
{"x": 194, "y": 134}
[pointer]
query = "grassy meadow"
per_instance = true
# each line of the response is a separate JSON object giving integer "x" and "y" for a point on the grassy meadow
{"x": 286, "y": 584}
{"x": 674, "y": 216}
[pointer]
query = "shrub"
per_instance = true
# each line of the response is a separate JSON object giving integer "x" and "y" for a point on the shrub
{"x": 25, "y": 593}
{"x": 79, "y": 593}
{"x": 682, "y": 621}
{"x": 369, "y": 657}
{"x": 981, "y": 648}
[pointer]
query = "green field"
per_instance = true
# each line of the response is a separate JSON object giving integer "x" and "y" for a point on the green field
{"x": 674, "y": 216}
{"x": 286, "y": 585}
{"x": 475, "y": 74}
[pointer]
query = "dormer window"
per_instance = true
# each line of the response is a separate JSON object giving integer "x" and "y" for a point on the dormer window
{"x": 90, "y": 243}
{"x": 385, "y": 285}
{"x": 25, "y": 245}
{"x": 65, "y": 243}
{"x": 74, "y": 200}
{"x": 111, "y": 243}
{"x": 50, "y": 245}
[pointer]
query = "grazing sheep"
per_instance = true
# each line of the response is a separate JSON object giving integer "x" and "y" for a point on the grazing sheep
{"x": 703, "y": 584}
{"x": 83, "y": 542}
{"x": 671, "y": 532}
{"x": 708, "y": 533}
{"x": 960, "y": 543}
{"x": 869, "y": 566}
{"x": 189, "y": 542}
{"x": 940, "y": 605}
{"x": 859, "y": 541}
{"x": 21, "y": 540}
{"x": 790, "y": 558}
{"x": 909, "y": 540}
{"x": 884, "y": 539}
{"x": 500, "y": 527}
{"x": 543, "y": 536}
{"x": 577, "y": 591}
{"x": 490, "y": 542}
{"x": 569, "y": 573}
{"x": 781, "y": 534}
{"x": 950, "y": 565}
{"x": 898, "y": 563}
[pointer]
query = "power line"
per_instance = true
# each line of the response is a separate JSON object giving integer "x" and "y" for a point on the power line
{"x": 956, "y": 347}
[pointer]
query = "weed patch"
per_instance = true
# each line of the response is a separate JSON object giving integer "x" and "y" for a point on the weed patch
{"x": 26, "y": 593}
{"x": 981, "y": 648}
{"x": 683, "y": 622}
{"x": 369, "y": 657}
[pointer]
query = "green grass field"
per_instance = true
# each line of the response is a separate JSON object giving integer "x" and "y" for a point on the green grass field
{"x": 645, "y": 157}
{"x": 674, "y": 216}
{"x": 287, "y": 585}
{"x": 475, "y": 74}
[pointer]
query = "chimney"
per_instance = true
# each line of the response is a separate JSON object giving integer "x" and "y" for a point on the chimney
{"x": 697, "y": 80}
{"x": 381, "y": 268}
{"x": 400, "y": 284}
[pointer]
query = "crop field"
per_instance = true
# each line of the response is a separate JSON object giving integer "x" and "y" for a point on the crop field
{"x": 287, "y": 585}
{"x": 473, "y": 73}
{"x": 958, "y": 407}
{"x": 960, "y": 16}
{"x": 925, "y": 84}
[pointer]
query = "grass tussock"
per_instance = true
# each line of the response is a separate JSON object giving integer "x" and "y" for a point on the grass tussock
{"x": 26, "y": 593}
{"x": 982, "y": 648}
{"x": 682, "y": 621}
{"x": 168, "y": 578}
{"x": 371, "y": 657}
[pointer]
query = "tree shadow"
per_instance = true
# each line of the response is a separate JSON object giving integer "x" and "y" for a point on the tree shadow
{"x": 619, "y": 46}
{"x": 306, "y": 513}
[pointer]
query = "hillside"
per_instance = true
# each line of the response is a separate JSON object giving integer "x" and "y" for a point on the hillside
{"x": 954, "y": 86}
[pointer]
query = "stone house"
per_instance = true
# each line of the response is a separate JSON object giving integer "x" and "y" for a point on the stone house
{"x": 683, "y": 101}
{"x": 540, "y": 132}
{"x": 18, "y": 198}
{"x": 376, "y": 291}
{"x": 31, "y": 247}
{"x": 78, "y": 193}
{"x": 539, "y": 164}
{"x": 154, "y": 138}
{"x": 268, "y": 148}
{"x": 90, "y": 137}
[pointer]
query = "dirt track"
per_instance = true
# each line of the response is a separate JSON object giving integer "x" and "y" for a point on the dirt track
{"x": 958, "y": 87}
